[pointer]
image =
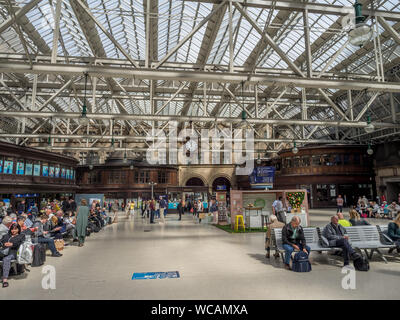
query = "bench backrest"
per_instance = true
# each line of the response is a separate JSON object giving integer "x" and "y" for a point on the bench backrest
{"x": 277, "y": 238}
{"x": 311, "y": 235}
{"x": 367, "y": 235}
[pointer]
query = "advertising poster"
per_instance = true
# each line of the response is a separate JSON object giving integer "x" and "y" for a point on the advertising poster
{"x": 8, "y": 167}
{"x": 45, "y": 171}
{"x": 36, "y": 170}
{"x": 62, "y": 173}
{"x": 28, "y": 169}
{"x": 1, "y": 166}
{"x": 57, "y": 172}
{"x": 51, "y": 172}
{"x": 20, "y": 168}
{"x": 68, "y": 173}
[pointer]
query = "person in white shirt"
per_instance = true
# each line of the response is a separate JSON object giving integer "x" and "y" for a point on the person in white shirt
{"x": 277, "y": 208}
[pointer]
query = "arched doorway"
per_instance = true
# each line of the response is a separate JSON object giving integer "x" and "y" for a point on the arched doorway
{"x": 221, "y": 184}
{"x": 195, "y": 182}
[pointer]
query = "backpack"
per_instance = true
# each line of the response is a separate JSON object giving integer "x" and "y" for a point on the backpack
{"x": 25, "y": 253}
{"x": 360, "y": 262}
{"x": 301, "y": 262}
{"x": 39, "y": 255}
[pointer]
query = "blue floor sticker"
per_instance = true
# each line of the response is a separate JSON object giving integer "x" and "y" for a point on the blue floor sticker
{"x": 155, "y": 275}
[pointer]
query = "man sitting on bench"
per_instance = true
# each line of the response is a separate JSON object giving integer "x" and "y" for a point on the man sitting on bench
{"x": 336, "y": 236}
{"x": 293, "y": 239}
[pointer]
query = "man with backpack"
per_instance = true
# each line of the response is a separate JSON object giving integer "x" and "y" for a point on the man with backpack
{"x": 293, "y": 240}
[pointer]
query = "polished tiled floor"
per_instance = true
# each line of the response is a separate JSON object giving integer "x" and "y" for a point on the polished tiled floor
{"x": 212, "y": 264}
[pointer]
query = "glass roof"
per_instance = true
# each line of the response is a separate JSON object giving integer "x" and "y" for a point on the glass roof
{"x": 171, "y": 21}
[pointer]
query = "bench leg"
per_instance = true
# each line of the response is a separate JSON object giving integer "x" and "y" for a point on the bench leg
{"x": 369, "y": 255}
{"x": 381, "y": 255}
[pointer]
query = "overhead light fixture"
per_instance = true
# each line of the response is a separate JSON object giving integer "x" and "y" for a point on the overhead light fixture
{"x": 295, "y": 149}
{"x": 370, "y": 151}
{"x": 49, "y": 147}
{"x": 91, "y": 167}
{"x": 361, "y": 33}
{"x": 370, "y": 127}
{"x": 83, "y": 119}
{"x": 131, "y": 167}
{"x": 112, "y": 148}
{"x": 258, "y": 159}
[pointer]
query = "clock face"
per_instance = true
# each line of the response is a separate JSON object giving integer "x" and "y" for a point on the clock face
{"x": 191, "y": 145}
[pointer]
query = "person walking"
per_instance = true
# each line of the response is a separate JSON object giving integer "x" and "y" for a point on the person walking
{"x": 115, "y": 208}
{"x": 81, "y": 222}
{"x": 339, "y": 203}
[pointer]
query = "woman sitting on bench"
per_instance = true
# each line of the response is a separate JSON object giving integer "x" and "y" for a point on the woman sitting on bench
{"x": 394, "y": 232}
{"x": 9, "y": 247}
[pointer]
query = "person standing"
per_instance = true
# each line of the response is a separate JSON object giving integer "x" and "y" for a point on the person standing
{"x": 115, "y": 208}
{"x": 180, "y": 209}
{"x": 73, "y": 206}
{"x": 214, "y": 210}
{"x": 200, "y": 209}
{"x": 128, "y": 209}
{"x": 152, "y": 208}
{"x": 21, "y": 207}
{"x": 339, "y": 203}
{"x": 157, "y": 205}
{"x": 132, "y": 208}
{"x": 277, "y": 208}
{"x": 82, "y": 221}
{"x": 163, "y": 206}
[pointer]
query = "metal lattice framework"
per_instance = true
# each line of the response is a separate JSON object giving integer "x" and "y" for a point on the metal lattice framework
{"x": 287, "y": 64}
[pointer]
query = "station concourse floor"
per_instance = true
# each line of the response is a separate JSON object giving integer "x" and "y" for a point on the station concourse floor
{"x": 212, "y": 263}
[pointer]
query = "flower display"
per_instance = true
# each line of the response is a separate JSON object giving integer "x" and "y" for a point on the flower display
{"x": 295, "y": 199}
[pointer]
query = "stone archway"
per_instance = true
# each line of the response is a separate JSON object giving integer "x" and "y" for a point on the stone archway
{"x": 194, "y": 181}
{"x": 221, "y": 182}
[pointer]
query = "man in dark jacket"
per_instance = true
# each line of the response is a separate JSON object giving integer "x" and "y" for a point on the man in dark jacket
{"x": 336, "y": 236}
{"x": 293, "y": 239}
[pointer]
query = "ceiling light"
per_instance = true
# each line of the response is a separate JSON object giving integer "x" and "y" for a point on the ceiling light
{"x": 361, "y": 33}
{"x": 295, "y": 149}
{"x": 370, "y": 127}
{"x": 370, "y": 151}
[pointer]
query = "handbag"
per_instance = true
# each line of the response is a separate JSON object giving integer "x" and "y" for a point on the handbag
{"x": 4, "y": 252}
{"x": 59, "y": 244}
